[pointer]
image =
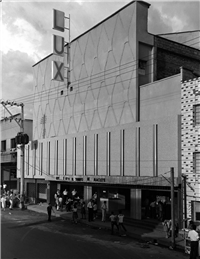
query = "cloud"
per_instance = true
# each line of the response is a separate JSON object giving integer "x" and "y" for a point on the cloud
{"x": 156, "y": 23}
{"x": 27, "y": 31}
{"x": 174, "y": 16}
{"x": 17, "y": 78}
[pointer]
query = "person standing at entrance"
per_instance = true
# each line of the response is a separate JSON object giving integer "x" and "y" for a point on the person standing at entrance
{"x": 194, "y": 238}
{"x": 90, "y": 210}
{"x": 104, "y": 210}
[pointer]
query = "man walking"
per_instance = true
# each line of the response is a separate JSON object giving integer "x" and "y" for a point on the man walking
{"x": 113, "y": 220}
{"x": 194, "y": 237}
{"x": 49, "y": 210}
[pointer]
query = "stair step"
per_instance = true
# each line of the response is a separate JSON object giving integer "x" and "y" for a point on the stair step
{"x": 147, "y": 224}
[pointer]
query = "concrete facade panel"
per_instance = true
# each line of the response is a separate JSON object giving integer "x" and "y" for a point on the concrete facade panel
{"x": 146, "y": 150}
{"x": 69, "y": 155}
{"x": 102, "y": 153}
{"x": 79, "y": 155}
{"x": 90, "y": 155}
{"x": 60, "y": 157}
{"x": 129, "y": 152}
{"x": 115, "y": 153}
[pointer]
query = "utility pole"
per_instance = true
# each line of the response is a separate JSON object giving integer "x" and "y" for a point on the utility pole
{"x": 185, "y": 199}
{"x": 22, "y": 160}
{"x": 172, "y": 208}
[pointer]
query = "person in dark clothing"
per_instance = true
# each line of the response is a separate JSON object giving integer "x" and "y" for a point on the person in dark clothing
{"x": 90, "y": 210}
{"x": 113, "y": 220}
{"x": 49, "y": 211}
{"x": 83, "y": 212}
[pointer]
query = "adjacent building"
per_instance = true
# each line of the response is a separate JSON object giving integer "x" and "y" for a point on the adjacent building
{"x": 9, "y": 149}
{"x": 190, "y": 144}
{"x": 117, "y": 130}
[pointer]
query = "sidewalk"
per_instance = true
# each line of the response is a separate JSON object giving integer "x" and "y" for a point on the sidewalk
{"x": 137, "y": 233}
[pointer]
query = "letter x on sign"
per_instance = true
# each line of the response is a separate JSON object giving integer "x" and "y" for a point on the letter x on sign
{"x": 57, "y": 70}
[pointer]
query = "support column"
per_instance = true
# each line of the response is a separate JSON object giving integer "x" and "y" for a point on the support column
{"x": 87, "y": 193}
{"x": 136, "y": 201}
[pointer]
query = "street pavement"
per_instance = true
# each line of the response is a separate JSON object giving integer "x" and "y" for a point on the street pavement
{"x": 27, "y": 234}
{"x": 134, "y": 232}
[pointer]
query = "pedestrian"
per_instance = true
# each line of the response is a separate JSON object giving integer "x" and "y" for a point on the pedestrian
{"x": 153, "y": 209}
{"x": 74, "y": 194}
{"x": 165, "y": 228}
{"x": 11, "y": 198}
{"x": 83, "y": 212}
{"x": 169, "y": 225}
{"x": 3, "y": 202}
{"x": 90, "y": 210}
{"x": 57, "y": 196}
{"x": 94, "y": 196}
{"x": 113, "y": 221}
{"x": 95, "y": 210}
{"x": 194, "y": 238}
{"x": 49, "y": 211}
{"x": 160, "y": 210}
{"x": 104, "y": 210}
{"x": 60, "y": 199}
{"x": 75, "y": 213}
{"x": 157, "y": 210}
{"x": 68, "y": 204}
{"x": 64, "y": 196}
{"x": 121, "y": 221}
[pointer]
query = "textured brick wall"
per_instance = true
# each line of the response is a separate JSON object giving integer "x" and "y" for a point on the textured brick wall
{"x": 171, "y": 56}
{"x": 190, "y": 138}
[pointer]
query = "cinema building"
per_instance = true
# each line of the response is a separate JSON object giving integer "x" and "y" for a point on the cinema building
{"x": 117, "y": 129}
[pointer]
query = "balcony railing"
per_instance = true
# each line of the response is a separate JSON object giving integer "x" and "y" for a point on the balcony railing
{"x": 9, "y": 156}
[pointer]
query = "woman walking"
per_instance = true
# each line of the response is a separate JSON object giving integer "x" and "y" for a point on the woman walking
{"x": 103, "y": 210}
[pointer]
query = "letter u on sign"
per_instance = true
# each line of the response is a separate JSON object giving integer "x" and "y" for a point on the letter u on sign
{"x": 58, "y": 45}
{"x": 58, "y": 71}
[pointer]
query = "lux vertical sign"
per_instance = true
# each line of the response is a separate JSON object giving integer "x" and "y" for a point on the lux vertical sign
{"x": 58, "y": 45}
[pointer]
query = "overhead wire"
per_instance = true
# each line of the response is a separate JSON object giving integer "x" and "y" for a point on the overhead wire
{"x": 108, "y": 70}
{"x": 55, "y": 91}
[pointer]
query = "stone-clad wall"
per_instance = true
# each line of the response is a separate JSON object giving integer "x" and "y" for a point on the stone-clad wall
{"x": 190, "y": 139}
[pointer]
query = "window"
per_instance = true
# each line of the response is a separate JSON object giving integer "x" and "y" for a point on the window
{"x": 3, "y": 145}
{"x": 197, "y": 114}
{"x": 197, "y": 162}
{"x": 142, "y": 67}
{"x": 12, "y": 143}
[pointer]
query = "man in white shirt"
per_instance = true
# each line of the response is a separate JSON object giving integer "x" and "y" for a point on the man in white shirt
{"x": 194, "y": 238}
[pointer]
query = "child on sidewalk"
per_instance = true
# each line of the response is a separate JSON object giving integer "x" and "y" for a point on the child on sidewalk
{"x": 113, "y": 220}
{"x": 121, "y": 222}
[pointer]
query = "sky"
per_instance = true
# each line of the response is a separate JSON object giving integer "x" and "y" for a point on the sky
{"x": 26, "y": 34}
